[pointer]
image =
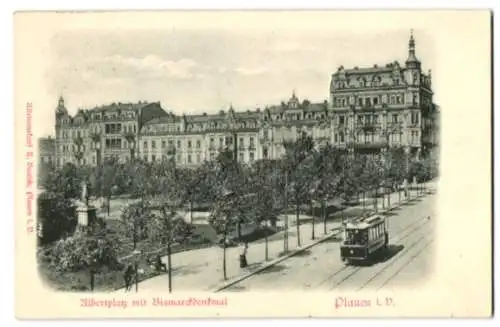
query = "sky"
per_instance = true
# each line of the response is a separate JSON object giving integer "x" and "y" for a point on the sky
{"x": 206, "y": 70}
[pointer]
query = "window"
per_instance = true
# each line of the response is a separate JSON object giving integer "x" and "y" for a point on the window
{"x": 153, "y": 145}
{"x": 241, "y": 156}
{"x": 189, "y": 158}
{"x": 341, "y": 120}
{"x": 221, "y": 142}
{"x": 242, "y": 143}
{"x": 198, "y": 144}
{"x": 252, "y": 156}
{"x": 189, "y": 144}
{"x": 179, "y": 143}
{"x": 414, "y": 118}
{"x": 170, "y": 142}
{"x": 266, "y": 135}
{"x": 394, "y": 118}
{"x": 360, "y": 101}
{"x": 341, "y": 136}
{"x": 153, "y": 158}
{"x": 252, "y": 145}
{"x": 375, "y": 101}
{"x": 93, "y": 159}
{"x": 264, "y": 153}
{"x": 198, "y": 158}
{"x": 398, "y": 99}
{"x": 163, "y": 144}
{"x": 145, "y": 158}
{"x": 113, "y": 143}
{"x": 335, "y": 138}
{"x": 375, "y": 119}
{"x": 145, "y": 145}
{"x": 178, "y": 158}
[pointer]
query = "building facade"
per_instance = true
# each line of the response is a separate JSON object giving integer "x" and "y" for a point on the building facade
{"x": 47, "y": 150}
{"x": 369, "y": 109}
{"x": 110, "y": 131}
{"x": 385, "y": 106}
{"x": 253, "y": 135}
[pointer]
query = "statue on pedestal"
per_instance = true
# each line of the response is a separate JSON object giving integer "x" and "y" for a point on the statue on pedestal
{"x": 85, "y": 193}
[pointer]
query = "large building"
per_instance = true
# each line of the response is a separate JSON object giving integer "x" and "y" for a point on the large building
{"x": 389, "y": 105}
{"x": 107, "y": 131}
{"x": 47, "y": 150}
{"x": 369, "y": 110}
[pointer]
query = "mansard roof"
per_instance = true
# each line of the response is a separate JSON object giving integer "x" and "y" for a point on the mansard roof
{"x": 369, "y": 70}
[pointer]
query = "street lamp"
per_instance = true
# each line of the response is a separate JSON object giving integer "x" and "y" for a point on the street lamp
{"x": 136, "y": 254}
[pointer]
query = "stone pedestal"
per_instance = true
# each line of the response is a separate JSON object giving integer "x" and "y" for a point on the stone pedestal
{"x": 86, "y": 216}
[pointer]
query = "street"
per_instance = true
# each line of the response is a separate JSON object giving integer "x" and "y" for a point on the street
{"x": 408, "y": 260}
{"x": 202, "y": 269}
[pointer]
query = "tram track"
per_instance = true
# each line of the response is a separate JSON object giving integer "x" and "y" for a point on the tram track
{"x": 402, "y": 234}
{"x": 398, "y": 260}
{"x": 385, "y": 265}
{"x": 413, "y": 257}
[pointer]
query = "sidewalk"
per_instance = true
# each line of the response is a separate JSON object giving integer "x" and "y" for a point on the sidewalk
{"x": 201, "y": 270}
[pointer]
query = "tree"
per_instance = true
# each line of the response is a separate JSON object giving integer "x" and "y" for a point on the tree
{"x": 65, "y": 182}
{"x": 222, "y": 219}
{"x": 261, "y": 205}
{"x": 230, "y": 191}
{"x": 327, "y": 162}
{"x": 167, "y": 228}
{"x": 56, "y": 217}
{"x": 45, "y": 171}
{"x": 354, "y": 178}
{"x": 134, "y": 218}
{"x": 193, "y": 186}
{"x": 374, "y": 177}
{"x": 396, "y": 168}
{"x": 84, "y": 252}
{"x": 230, "y": 175}
{"x": 295, "y": 153}
{"x": 113, "y": 180}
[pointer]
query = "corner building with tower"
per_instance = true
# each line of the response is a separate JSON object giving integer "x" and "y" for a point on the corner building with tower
{"x": 369, "y": 110}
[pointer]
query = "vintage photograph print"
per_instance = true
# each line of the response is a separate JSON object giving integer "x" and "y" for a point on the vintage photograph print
{"x": 253, "y": 164}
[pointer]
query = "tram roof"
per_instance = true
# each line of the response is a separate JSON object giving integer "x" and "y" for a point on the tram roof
{"x": 364, "y": 222}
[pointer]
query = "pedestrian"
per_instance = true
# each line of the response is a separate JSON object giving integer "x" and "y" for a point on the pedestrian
{"x": 243, "y": 254}
{"x": 160, "y": 265}
{"x": 127, "y": 276}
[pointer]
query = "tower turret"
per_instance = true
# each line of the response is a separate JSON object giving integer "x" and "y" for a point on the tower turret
{"x": 412, "y": 61}
{"x": 61, "y": 108}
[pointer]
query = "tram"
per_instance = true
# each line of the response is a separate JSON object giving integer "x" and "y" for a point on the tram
{"x": 364, "y": 238}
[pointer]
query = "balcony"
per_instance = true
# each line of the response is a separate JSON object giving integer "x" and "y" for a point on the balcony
{"x": 367, "y": 127}
{"x": 367, "y": 144}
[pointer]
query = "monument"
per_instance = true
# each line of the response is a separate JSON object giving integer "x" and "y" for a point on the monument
{"x": 86, "y": 213}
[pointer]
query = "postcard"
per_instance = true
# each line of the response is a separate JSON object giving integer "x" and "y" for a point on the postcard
{"x": 253, "y": 164}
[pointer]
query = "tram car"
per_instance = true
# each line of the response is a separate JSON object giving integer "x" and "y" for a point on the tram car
{"x": 364, "y": 238}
